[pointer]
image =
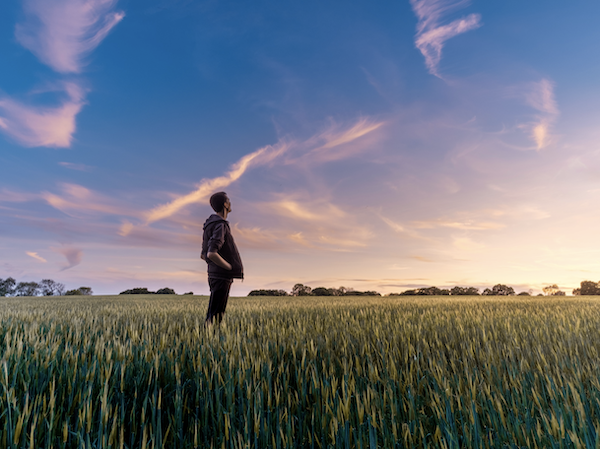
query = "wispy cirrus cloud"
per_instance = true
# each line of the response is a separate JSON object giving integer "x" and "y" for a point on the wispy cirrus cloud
{"x": 35, "y": 126}
{"x": 72, "y": 254}
{"x": 312, "y": 211}
{"x": 36, "y": 256}
{"x": 62, "y": 32}
{"x": 541, "y": 97}
{"x": 206, "y": 187}
{"x": 269, "y": 154}
{"x": 332, "y": 144}
{"x": 74, "y": 166}
{"x": 465, "y": 225}
{"x": 315, "y": 222}
{"x": 75, "y": 200}
{"x": 432, "y": 35}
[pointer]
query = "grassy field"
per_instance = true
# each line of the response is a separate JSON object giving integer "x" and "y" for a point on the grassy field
{"x": 349, "y": 372}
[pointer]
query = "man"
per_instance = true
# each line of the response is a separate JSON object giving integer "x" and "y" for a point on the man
{"x": 221, "y": 255}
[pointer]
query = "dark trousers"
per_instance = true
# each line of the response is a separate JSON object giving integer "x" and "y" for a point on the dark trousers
{"x": 219, "y": 294}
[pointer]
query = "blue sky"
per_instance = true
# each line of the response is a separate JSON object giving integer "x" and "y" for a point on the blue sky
{"x": 376, "y": 146}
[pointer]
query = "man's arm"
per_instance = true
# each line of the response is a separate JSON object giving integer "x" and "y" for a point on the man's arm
{"x": 216, "y": 258}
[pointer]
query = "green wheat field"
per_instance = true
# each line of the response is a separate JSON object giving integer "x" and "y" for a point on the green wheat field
{"x": 141, "y": 371}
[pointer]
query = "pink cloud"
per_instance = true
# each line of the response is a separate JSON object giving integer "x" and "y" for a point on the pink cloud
{"x": 76, "y": 199}
{"x": 35, "y": 126}
{"x": 36, "y": 256}
{"x": 72, "y": 254}
{"x": 62, "y": 32}
{"x": 431, "y": 36}
{"x": 541, "y": 98}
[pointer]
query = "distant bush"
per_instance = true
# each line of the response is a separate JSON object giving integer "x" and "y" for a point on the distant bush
{"x": 464, "y": 291}
{"x": 81, "y": 291}
{"x": 426, "y": 291}
{"x": 301, "y": 290}
{"x": 499, "y": 290}
{"x": 137, "y": 291}
{"x": 268, "y": 293}
{"x": 189, "y": 293}
{"x": 166, "y": 291}
{"x": 322, "y": 291}
{"x": 524, "y": 294}
{"x": 358, "y": 293}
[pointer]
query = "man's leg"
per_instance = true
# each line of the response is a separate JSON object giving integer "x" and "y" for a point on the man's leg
{"x": 219, "y": 293}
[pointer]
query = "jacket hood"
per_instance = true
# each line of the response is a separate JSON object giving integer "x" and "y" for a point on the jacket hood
{"x": 214, "y": 218}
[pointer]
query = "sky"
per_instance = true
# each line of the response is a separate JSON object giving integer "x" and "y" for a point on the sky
{"x": 379, "y": 146}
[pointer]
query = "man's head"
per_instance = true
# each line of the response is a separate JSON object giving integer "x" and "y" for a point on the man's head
{"x": 219, "y": 202}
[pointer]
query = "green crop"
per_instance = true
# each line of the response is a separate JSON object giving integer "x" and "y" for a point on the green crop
{"x": 306, "y": 372}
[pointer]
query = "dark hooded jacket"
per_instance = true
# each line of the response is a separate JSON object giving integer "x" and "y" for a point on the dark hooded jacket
{"x": 217, "y": 238}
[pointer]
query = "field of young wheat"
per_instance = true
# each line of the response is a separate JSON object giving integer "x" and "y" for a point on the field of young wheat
{"x": 346, "y": 372}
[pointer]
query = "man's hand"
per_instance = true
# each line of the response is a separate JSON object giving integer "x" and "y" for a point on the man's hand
{"x": 216, "y": 258}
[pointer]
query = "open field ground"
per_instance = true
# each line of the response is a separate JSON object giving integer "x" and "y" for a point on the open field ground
{"x": 348, "y": 372}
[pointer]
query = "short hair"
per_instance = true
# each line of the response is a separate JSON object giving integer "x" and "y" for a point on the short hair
{"x": 217, "y": 201}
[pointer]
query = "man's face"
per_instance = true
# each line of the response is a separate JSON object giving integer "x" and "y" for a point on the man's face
{"x": 227, "y": 205}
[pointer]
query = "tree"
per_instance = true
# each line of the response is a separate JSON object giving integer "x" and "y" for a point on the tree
{"x": 137, "y": 291}
{"x": 27, "y": 289}
{"x": 322, "y": 291}
{"x": 426, "y": 291}
{"x": 359, "y": 293}
{"x": 268, "y": 293}
{"x": 464, "y": 291}
{"x": 7, "y": 286}
{"x": 499, "y": 290}
{"x": 301, "y": 290}
{"x": 551, "y": 290}
{"x": 524, "y": 294}
{"x": 81, "y": 291}
{"x": 50, "y": 288}
{"x": 341, "y": 291}
{"x": 75, "y": 292}
{"x": 166, "y": 291}
{"x": 589, "y": 288}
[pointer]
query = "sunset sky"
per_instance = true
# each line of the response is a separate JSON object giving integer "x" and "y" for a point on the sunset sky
{"x": 375, "y": 145}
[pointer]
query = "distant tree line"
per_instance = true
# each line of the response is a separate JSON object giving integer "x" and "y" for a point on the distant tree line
{"x": 145, "y": 291}
{"x": 46, "y": 287}
{"x": 496, "y": 290}
{"x": 305, "y": 290}
{"x": 587, "y": 288}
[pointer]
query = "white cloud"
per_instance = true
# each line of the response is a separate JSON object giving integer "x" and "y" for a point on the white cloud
{"x": 62, "y": 32}
{"x": 35, "y": 126}
{"x": 431, "y": 35}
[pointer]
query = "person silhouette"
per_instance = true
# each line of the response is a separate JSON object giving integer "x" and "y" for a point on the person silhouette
{"x": 222, "y": 256}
